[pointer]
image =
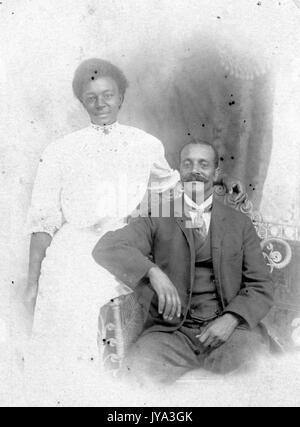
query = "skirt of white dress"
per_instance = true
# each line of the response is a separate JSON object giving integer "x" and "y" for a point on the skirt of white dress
{"x": 63, "y": 356}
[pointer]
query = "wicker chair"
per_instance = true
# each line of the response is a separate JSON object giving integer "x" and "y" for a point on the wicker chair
{"x": 122, "y": 321}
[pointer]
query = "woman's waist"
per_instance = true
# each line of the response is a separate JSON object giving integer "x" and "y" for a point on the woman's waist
{"x": 96, "y": 229}
{"x": 74, "y": 242}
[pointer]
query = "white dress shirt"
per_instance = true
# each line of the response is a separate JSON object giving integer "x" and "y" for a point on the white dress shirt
{"x": 202, "y": 209}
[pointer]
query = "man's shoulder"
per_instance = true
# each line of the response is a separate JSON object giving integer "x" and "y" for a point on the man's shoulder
{"x": 231, "y": 213}
{"x": 154, "y": 221}
{"x": 160, "y": 210}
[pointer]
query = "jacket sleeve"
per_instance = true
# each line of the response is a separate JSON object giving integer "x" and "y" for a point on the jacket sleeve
{"x": 125, "y": 252}
{"x": 255, "y": 298}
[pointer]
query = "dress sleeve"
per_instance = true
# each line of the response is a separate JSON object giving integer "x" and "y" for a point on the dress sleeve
{"x": 45, "y": 214}
{"x": 162, "y": 176}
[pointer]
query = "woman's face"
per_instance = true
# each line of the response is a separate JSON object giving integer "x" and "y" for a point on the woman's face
{"x": 102, "y": 100}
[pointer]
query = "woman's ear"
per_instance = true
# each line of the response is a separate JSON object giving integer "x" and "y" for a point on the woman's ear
{"x": 121, "y": 101}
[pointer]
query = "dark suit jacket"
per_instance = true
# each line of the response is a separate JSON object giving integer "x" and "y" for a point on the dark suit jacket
{"x": 242, "y": 279}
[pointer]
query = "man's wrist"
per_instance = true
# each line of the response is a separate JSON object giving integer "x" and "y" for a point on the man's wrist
{"x": 235, "y": 319}
{"x": 152, "y": 271}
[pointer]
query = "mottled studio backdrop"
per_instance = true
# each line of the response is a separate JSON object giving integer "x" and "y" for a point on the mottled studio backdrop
{"x": 225, "y": 70}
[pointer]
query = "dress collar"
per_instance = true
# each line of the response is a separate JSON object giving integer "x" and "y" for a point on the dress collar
{"x": 105, "y": 130}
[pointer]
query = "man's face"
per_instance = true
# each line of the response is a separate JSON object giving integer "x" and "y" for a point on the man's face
{"x": 197, "y": 165}
{"x": 102, "y": 100}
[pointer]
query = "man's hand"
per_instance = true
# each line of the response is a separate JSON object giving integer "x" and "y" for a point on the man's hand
{"x": 169, "y": 303}
{"x": 218, "y": 331}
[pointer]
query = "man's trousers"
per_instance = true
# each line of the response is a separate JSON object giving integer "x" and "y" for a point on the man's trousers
{"x": 163, "y": 357}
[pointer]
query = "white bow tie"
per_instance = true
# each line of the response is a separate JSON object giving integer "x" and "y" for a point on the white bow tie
{"x": 206, "y": 206}
{"x": 196, "y": 212}
{"x": 197, "y": 218}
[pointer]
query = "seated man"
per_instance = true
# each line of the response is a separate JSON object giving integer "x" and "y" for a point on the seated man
{"x": 210, "y": 280}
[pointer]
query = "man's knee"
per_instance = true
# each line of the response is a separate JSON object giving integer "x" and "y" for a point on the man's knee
{"x": 158, "y": 357}
{"x": 248, "y": 341}
{"x": 241, "y": 351}
{"x": 145, "y": 357}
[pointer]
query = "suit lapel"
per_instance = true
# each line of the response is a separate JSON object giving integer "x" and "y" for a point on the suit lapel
{"x": 180, "y": 219}
{"x": 187, "y": 232}
{"x": 218, "y": 224}
{"x": 218, "y": 231}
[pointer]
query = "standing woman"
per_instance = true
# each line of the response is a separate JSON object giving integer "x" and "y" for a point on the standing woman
{"x": 76, "y": 198}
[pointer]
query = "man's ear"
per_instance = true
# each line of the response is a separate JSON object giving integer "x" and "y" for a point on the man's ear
{"x": 217, "y": 174}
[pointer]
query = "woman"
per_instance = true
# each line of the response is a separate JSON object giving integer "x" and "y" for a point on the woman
{"x": 87, "y": 183}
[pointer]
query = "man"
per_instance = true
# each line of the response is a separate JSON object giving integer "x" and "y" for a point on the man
{"x": 210, "y": 281}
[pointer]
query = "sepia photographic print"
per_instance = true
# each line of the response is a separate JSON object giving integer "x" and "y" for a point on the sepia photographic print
{"x": 150, "y": 205}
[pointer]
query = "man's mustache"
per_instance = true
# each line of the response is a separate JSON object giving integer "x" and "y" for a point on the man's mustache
{"x": 195, "y": 177}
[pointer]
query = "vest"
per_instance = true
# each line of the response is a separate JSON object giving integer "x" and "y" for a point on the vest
{"x": 205, "y": 304}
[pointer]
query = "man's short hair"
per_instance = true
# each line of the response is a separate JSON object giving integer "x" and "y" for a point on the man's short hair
{"x": 95, "y": 68}
{"x": 197, "y": 141}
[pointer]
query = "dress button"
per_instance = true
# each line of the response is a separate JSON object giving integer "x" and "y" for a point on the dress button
{"x": 197, "y": 352}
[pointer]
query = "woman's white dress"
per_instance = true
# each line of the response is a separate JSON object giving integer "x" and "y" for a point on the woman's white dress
{"x": 87, "y": 184}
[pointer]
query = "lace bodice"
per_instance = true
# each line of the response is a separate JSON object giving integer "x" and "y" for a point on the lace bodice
{"x": 90, "y": 175}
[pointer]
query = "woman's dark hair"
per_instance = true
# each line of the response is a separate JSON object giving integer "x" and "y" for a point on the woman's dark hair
{"x": 94, "y": 68}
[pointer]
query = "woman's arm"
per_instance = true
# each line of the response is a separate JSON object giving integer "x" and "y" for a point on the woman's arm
{"x": 38, "y": 246}
{"x": 44, "y": 216}
{"x": 162, "y": 176}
